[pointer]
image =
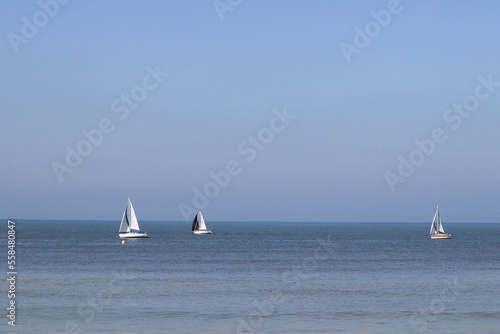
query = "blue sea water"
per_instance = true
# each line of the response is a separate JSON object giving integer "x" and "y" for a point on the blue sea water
{"x": 76, "y": 276}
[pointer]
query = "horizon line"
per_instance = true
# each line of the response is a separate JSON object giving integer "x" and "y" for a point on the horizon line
{"x": 248, "y": 221}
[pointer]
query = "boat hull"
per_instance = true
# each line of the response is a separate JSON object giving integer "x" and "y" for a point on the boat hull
{"x": 441, "y": 236}
{"x": 202, "y": 232}
{"x": 130, "y": 235}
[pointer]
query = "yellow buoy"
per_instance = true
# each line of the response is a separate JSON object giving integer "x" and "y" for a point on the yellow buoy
{"x": 123, "y": 242}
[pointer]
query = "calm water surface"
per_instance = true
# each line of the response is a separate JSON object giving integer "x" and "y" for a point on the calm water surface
{"x": 76, "y": 276}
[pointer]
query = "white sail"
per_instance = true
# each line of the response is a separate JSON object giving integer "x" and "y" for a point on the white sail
{"x": 433, "y": 226}
{"x": 439, "y": 225}
{"x": 134, "y": 224}
{"x": 201, "y": 222}
{"x": 124, "y": 226}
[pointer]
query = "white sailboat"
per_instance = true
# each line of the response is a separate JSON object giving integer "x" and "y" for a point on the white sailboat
{"x": 437, "y": 230}
{"x": 129, "y": 228}
{"x": 199, "y": 226}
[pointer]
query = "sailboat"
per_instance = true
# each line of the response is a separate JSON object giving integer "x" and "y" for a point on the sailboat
{"x": 199, "y": 226}
{"x": 129, "y": 228}
{"x": 437, "y": 230}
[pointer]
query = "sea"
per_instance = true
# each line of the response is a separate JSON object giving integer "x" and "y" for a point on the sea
{"x": 253, "y": 277}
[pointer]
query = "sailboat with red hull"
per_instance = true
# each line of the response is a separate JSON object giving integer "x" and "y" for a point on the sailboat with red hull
{"x": 437, "y": 230}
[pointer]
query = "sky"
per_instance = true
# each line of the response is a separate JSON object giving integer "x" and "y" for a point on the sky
{"x": 307, "y": 111}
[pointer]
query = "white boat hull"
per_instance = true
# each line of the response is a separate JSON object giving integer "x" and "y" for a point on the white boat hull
{"x": 129, "y": 235}
{"x": 202, "y": 232}
{"x": 441, "y": 236}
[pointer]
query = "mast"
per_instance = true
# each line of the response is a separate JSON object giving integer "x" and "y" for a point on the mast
{"x": 128, "y": 213}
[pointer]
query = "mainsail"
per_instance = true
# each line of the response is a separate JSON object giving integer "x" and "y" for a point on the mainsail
{"x": 201, "y": 222}
{"x": 134, "y": 224}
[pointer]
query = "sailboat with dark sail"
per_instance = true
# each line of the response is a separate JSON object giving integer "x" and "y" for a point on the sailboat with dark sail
{"x": 199, "y": 226}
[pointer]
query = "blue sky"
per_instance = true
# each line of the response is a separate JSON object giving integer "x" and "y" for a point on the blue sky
{"x": 227, "y": 79}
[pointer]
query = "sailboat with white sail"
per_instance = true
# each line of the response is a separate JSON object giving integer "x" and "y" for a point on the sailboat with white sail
{"x": 437, "y": 230}
{"x": 129, "y": 228}
{"x": 199, "y": 226}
